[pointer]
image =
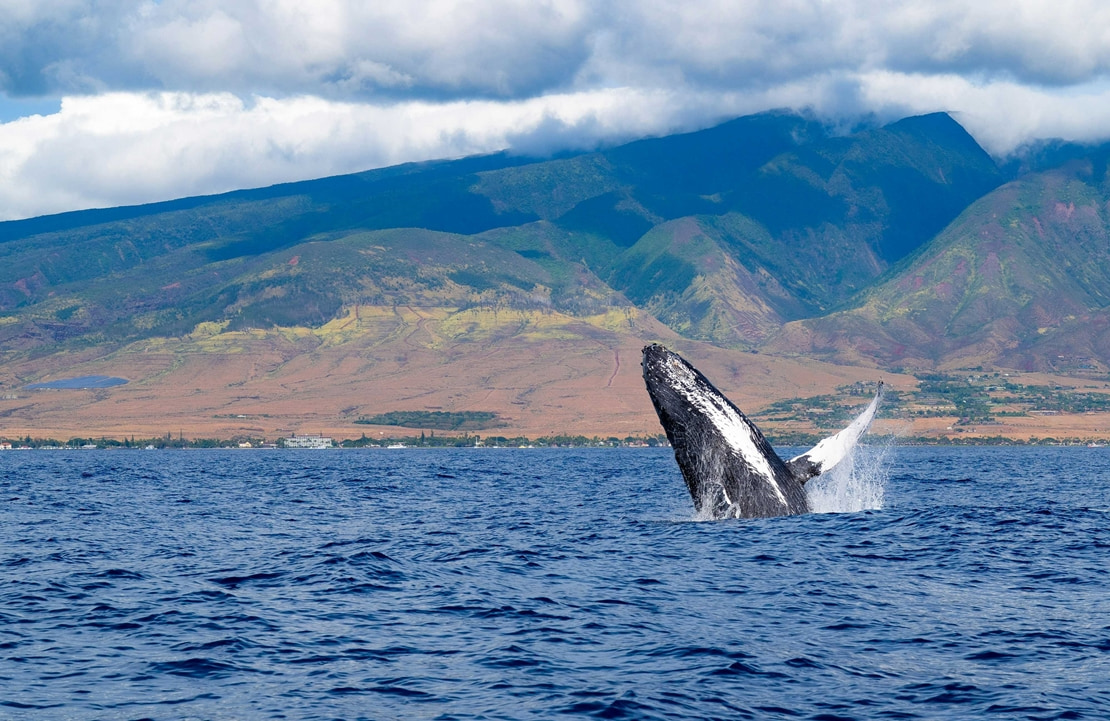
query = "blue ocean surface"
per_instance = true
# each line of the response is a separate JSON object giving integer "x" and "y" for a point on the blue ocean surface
{"x": 547, "y": 583}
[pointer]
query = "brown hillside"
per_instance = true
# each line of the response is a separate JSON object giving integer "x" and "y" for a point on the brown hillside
{"x": 543, "y": 373}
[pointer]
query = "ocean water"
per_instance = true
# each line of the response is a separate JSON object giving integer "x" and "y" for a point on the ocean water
{"x": 518, "y": 584}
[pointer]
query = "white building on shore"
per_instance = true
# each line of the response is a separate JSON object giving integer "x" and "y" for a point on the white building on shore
{"x": 296, "y": 441}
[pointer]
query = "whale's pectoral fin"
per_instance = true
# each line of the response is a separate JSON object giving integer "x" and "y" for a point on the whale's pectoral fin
{"x": 834, "y": 449}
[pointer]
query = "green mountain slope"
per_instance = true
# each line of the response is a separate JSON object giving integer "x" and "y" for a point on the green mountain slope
{"x": 724, "y": 234}
{"x": 842, "y": 211}
{"x": 304, "y": 285}
{"x": 1021, "y": 279}
{"x": 687, "y": 274}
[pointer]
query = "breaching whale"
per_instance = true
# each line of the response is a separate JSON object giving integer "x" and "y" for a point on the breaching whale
{"x": 730, "y": 468}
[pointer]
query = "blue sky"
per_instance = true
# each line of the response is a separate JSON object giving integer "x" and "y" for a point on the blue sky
{"x": 107, "y": 102}
{"x": 14, "y": 108}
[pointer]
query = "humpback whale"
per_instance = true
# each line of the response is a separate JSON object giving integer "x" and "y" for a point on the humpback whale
{"x": 729, "y": 467}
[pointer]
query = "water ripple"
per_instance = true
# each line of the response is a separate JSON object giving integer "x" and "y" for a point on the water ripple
{"x": 477, "y": 584}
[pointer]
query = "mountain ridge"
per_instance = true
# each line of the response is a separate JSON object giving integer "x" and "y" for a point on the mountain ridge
{"x": 767, "y": 236}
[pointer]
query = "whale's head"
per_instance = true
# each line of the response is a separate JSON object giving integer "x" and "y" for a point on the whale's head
{"x": 672, "y": 383}
{"x": 684, "y": 399}
{"x": 664, "y": 369}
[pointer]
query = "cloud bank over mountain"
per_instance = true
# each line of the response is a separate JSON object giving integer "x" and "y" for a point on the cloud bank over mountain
{"x": 152, "y": 100}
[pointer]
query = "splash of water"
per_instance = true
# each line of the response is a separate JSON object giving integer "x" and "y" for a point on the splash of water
{"x": 856, "y": 484}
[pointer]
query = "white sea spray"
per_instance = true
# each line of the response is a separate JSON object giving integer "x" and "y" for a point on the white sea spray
{"x": 857, "y": 483}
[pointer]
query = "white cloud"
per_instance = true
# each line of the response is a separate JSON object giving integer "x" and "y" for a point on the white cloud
{"x": 125, "y": 148}
{"x": 1001, "y": 115}
{"x": 441, "y": 47}
{"x": 175, "y": 97}
{"x": 515, "y": 48}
